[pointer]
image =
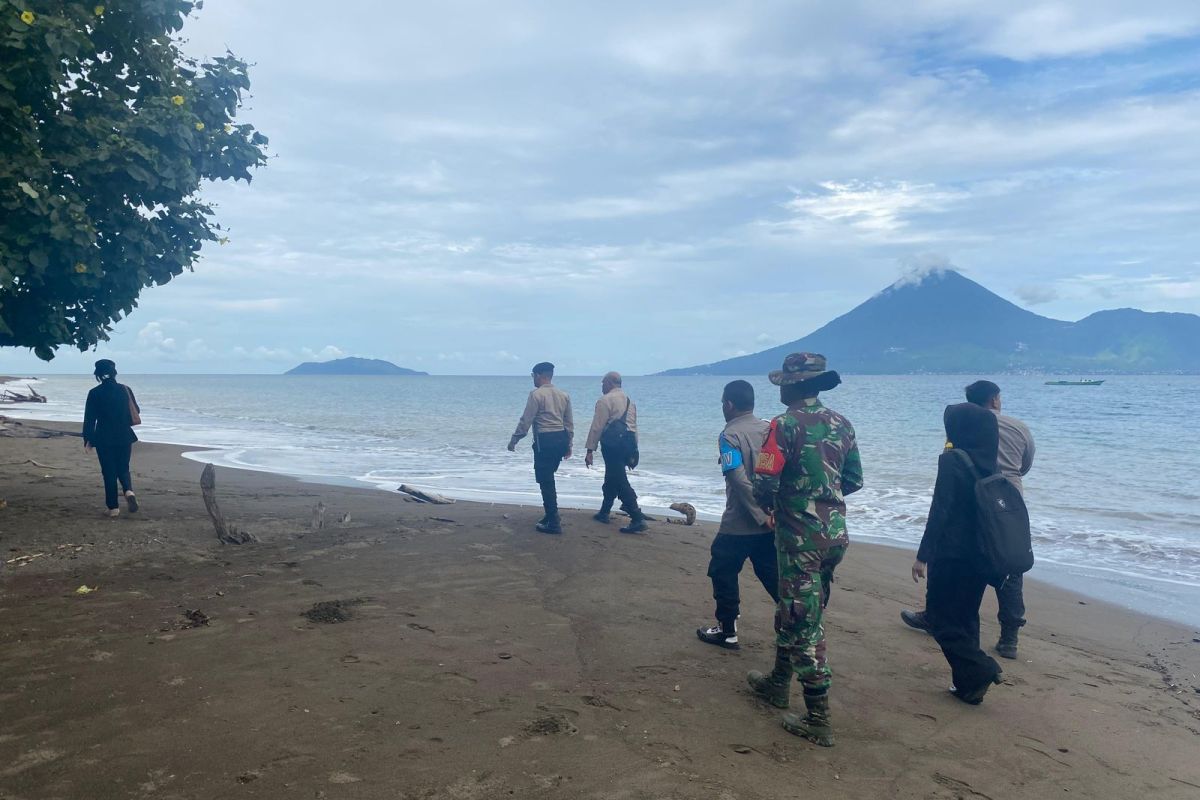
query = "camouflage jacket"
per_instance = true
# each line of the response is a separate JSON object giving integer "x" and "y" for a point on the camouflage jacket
{"x": 807, "y": 466}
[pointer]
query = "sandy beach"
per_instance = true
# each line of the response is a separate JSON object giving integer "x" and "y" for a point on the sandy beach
{"x": 476, "y": 658}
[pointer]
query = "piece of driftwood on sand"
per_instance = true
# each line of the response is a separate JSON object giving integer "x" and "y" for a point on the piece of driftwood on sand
{"x": 30, "y": 396}
{"x": 424, "y": 496}
{"x": 227, "y": 532}
{"x": 689, "y": 513}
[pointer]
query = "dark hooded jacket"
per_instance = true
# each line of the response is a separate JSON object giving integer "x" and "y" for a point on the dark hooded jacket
{"x": 951, "y": 531}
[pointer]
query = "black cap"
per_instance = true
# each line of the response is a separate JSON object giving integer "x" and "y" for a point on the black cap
{"x": 105, "y": 367}
{"x": 543, "y": 368}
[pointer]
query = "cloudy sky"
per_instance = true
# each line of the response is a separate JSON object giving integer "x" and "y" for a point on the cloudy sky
{"x": 468, "y": 187}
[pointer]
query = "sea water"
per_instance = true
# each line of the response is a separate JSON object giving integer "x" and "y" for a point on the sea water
{"x": 1114, "y": 494}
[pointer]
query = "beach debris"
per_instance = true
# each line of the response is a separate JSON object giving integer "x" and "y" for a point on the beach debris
{"x": 549, "y": 725}
{"x": 30, "y": 461}
{"x": 13, "y": 429}
{"x": 424, "y": 496}
{"x": 318, "y": 516}
{"x": 333, "y": 611}
{"x": 30, "y": 396}
{"x": 195, "y": 618}
{"x": 85, "y": 589}
{"x": 3, "y": 504}
{"x": 227, "y": 532}
{"x": 689, "y": 513}
{"x": 21, "y": 561}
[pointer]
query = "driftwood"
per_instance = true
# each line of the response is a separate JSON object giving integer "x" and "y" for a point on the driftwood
{"x": 423, "y": 496}
{"x": 689, "y": 512}
{"x": 318, "y": 518}
{"x": 32, "y": 396}
{"x": 227, "y": 532}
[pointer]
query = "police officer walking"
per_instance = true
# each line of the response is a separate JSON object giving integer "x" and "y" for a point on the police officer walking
{"x": 548, "y": 413}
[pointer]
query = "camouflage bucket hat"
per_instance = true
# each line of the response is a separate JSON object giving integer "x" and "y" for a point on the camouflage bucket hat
{"x": 805, "y": 368}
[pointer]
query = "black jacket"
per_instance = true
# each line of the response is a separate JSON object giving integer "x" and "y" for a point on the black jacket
{"x": 951, "y": 531}
{"x": 106, "y": 419}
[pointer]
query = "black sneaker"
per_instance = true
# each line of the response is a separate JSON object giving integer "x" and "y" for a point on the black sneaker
{"x": 601, "y": 516}
{"x": 716, "y": 635}
{"x": 916, "y": 619}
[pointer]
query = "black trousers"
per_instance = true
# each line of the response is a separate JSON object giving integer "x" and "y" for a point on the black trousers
{"x": 616, "y": 484}
{"x": 728, "y": 554}
{"x": 549, "y": 449}
{"x": 952, "y": 601}
{"x": 114, "y": 466}
{"x": 1010, "y": 596}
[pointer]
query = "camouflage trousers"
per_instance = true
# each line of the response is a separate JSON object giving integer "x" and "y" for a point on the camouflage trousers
{"x": 805, "y": 578}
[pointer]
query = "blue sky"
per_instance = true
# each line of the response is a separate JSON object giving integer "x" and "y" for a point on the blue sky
{"x": 473, "y": 187}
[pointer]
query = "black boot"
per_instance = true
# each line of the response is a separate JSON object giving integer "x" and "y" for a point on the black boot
{"x": 637, "y": 523}
{"x": 1007, "y": 646}
{"x": 814, "y": 725}
{"x": 550, "y": 525}
{"x": 603, "y": 514}
{"x": 775, "y": 687}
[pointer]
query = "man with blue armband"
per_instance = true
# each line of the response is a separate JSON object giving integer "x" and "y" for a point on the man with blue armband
{"x": 745, "y": 530}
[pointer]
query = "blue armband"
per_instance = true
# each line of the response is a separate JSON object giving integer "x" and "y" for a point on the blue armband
{"x": 731, "y": 457}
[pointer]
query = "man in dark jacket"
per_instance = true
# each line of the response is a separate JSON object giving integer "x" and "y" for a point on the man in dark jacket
{"x": 108, "y": 427}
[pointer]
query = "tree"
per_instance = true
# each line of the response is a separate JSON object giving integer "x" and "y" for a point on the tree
{"x": 106, "y": 133}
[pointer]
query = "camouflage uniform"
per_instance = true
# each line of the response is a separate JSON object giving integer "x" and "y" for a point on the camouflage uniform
{"x": 809, "y": 463}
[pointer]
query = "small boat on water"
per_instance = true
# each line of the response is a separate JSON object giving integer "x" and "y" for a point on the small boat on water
{"x": 1083, "y": 382}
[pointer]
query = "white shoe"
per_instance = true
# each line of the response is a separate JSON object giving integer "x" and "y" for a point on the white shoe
{"x": 114, "y": 512}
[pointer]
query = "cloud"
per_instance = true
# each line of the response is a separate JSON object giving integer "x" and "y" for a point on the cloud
{"x": 267, "y": 304}
{"x": 873, "y": 208}
{"x": 326, "y": 353}
{"x": 1035, "y": 295}
{"x": 467, "y": 172}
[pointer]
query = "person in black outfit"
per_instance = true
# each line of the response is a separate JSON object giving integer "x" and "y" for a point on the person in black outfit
{"x": 950, "y": 547}
{"x": 108, "y": 427}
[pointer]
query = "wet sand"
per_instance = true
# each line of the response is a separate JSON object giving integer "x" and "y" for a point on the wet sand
{"x": 479, "y": 659}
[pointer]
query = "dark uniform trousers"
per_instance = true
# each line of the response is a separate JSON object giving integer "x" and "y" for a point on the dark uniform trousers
{"x": 1010, "y": 598}
{"x": 549, "y": 449}
{"x": 616, "y": 482}
{"x": 728, "y": 555}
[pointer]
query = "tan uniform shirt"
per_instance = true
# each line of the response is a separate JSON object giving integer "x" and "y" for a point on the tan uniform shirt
{"x": 547, "y": 410}
{"x": 609, "y": 407}
{"x": 1015, "y": 456}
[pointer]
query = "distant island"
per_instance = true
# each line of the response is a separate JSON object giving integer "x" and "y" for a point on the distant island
{"x": 351, "y": 366}
{"x": 945, "y": 322}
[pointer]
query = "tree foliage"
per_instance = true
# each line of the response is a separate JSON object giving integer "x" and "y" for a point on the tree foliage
{"x": 106, "y": 132}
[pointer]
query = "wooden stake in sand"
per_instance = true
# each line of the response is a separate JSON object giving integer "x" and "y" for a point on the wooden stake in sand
{"x": 424, "y": 496}
{"x": 227, "y": 533}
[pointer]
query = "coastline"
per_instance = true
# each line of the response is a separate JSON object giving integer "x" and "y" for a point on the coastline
{"x": 482, "y": 658}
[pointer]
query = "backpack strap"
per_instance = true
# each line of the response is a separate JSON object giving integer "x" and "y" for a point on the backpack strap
{"x": 625, "y": 416}
{"x": 970, "y": 464}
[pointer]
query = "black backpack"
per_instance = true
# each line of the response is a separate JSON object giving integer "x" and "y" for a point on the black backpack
{"x": 1003, "y": 525}
{"x": 617, "y": 440}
